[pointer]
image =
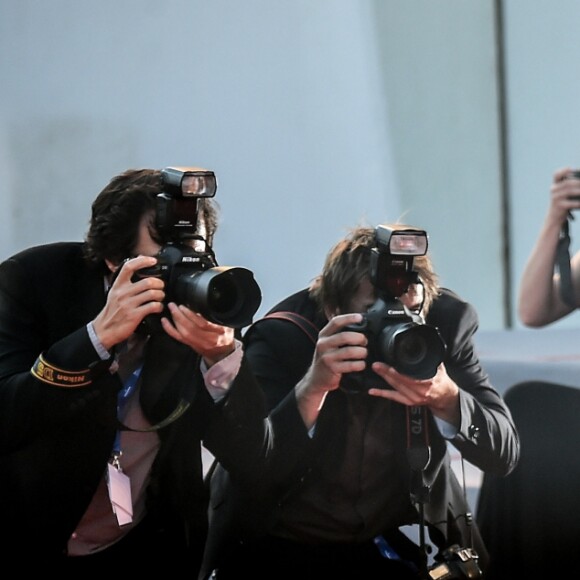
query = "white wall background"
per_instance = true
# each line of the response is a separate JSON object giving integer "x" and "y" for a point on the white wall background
{"x": 315, "y": 116}
{"x": 440, "y": 77}
{"x": 282, "y": 100}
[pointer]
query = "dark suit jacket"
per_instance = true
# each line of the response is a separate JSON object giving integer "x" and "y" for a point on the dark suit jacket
{"x": 280, "y": 352}
{"x": 530, "y": 520}
{"x": 55, "y": 442}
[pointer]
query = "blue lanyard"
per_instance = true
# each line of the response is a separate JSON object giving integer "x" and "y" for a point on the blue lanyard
{"x": 124, "y": 395}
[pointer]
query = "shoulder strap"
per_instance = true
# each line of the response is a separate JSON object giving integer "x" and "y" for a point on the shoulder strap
{"x": 563, "y": 262}
{"x": 306, "y": 325}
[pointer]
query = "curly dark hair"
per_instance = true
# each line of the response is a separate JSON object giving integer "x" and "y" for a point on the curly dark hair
{"x": 348, "y": 263}
{"x": 117, "y": 212}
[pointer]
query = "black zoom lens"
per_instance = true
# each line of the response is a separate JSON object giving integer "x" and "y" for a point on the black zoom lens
{"x": 413, "y": 349}
{"x": 225, "y": 295}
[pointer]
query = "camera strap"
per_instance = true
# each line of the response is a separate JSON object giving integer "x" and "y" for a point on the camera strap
{"x": 307, "y": 326}
{"x": 563, "y": 264}
{"x": 418, "y": 456}
{"x": 418, "y": 451}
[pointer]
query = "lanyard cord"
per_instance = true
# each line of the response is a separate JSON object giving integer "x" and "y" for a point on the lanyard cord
{"x": 127, "y": 391}
{"x": 122, "y": 399}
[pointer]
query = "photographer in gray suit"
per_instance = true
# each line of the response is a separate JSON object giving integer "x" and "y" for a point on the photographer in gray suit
{"x": 370, "y": 372}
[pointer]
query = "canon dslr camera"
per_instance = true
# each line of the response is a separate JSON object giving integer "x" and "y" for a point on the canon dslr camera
{"x": 225, "y": 295}
{"x": 396, "y": 335}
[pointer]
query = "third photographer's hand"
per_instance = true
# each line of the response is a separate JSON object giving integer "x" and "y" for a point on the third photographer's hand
{"x": 440, "y": 393}
{"x": 564, "y": 196}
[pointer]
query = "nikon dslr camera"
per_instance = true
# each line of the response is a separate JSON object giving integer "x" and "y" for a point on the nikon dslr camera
{"x": 225, "y": 295}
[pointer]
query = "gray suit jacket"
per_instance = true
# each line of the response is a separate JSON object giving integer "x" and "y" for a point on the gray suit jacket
{"x": 279, "y": 353}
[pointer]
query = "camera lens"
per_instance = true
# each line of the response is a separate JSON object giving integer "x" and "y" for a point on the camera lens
{"x": 413, "y": 349}
{"x": 410, "y": 349}
{"x": 225, "y": 295}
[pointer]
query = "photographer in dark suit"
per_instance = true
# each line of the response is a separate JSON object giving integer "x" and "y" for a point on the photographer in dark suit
{"x": 101, "y": 462}
{"x": 363, "y": 446}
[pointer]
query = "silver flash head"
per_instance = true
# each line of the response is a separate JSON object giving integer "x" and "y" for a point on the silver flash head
{"x": 189, "y": 182}
{"x": 408, "y": 242}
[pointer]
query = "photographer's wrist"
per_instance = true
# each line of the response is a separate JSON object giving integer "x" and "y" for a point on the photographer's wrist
{"x": 102, "y": 351}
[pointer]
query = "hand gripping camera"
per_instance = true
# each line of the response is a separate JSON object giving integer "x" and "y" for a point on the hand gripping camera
{"x": 397, "y": 336}
{"x": 225, "y": 295}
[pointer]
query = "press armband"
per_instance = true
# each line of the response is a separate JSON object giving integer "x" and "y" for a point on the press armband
{"x": 57, "y": 377}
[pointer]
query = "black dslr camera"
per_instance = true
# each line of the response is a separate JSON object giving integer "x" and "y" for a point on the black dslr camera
{"x": 225, "y": 295}
{"x": 397, "y": 336}
{"x": 458, "y": 563}
{"x": 574, "y": 175}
